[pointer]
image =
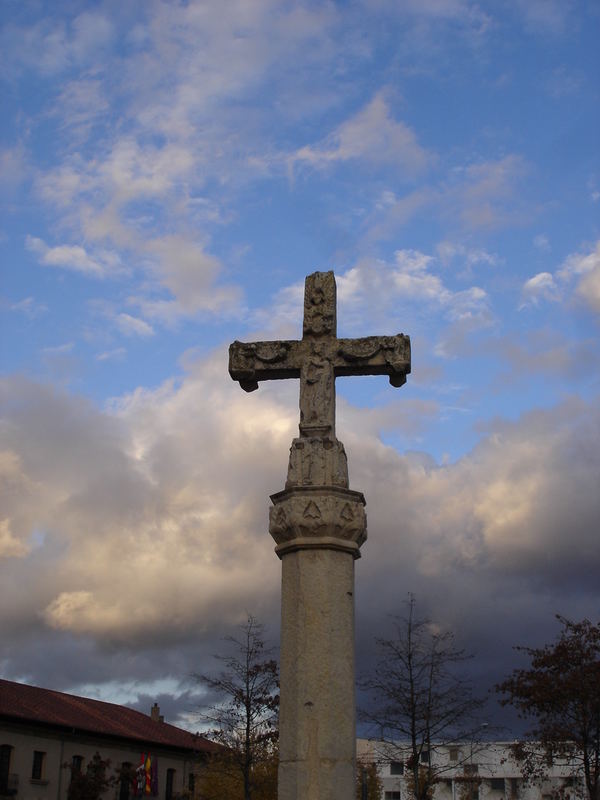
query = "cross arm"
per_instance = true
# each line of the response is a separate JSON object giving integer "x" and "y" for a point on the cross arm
{"x": 374, "y": 355}
{"x": 250, "y": 362}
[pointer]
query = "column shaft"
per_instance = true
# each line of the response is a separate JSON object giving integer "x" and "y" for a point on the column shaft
{"x": 317, "y": 711}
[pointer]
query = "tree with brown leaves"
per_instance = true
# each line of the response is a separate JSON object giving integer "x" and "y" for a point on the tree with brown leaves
{"x": 560, "y": 694}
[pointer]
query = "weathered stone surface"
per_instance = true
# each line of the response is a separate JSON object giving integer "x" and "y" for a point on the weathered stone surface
{"x": 320, "y": 306}
{"x": 318, "y": 518}
{"x": 319, "y": 357}
{"x": 316, "y": 717}
{"x": 317, "y": 461}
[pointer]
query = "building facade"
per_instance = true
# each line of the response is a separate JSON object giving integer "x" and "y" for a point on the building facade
{"x": 48, "y": 737}
{"x": 470, "y": 771}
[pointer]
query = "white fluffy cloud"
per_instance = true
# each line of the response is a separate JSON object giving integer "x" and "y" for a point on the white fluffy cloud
{"x": 541, "y": 285}
{"x": 579, "y": 274}
{"x": 75, "y": 257}
{"x": 374, "y": 290}
{"x": 584, "y": 269}
{"x": 371, "y": 135}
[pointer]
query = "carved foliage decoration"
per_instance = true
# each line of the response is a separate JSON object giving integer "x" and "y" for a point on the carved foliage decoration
{"x": 318, "y": 515}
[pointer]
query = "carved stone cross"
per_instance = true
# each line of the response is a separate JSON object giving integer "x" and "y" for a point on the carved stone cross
{"x": 319, "y": 358}
{"x": 319, "y": 525}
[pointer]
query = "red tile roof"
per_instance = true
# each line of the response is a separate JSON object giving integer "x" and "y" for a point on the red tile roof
{"x": 33, "y": 704}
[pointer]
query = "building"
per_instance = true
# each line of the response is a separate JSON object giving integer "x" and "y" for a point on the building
{"x": 47, "y": 736}
{"x": 470, "y": 771}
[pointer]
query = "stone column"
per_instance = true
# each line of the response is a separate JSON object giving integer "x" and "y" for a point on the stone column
{"x": 319, "y": 525}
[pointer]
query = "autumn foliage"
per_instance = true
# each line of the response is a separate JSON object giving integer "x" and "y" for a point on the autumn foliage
{"x": 560, "y": 695}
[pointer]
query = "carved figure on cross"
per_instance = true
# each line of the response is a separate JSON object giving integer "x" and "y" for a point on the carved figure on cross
{"x": 319, "y": 358}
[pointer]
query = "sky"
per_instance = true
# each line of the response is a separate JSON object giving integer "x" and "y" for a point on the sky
{"x": 169, "y": 174}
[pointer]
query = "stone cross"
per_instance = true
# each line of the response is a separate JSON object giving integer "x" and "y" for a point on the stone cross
{"x": 319, "y": 357}
{"x": 319, "y": 525}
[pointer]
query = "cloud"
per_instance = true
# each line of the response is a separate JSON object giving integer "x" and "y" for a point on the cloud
{"x": 372, "y": 136}
{"x": 124, "y": 502}
{"x": 116, "y": 354}
{"x": 541, "y": 242}
{"x": 58, "y": 350}
{"x": 481, "y": 196}
{"x": 137, "y": 533}
{"x": 563, "y": 82}
{"x": 14, "y": 167}
{"x": 75, "y": 258}
{"x": 392, "y": 212}
{"x": 133, "y": 326}
{"x": 189, "y": 273}
{"x": 10, "y": 545}
{"x": 411, "y": 279}
{"x": 544, "y": 16}
{"x": 485, "y": 192}
{"x": 541, "y": 285}
{"x": 584, "y": 268}
{"x": 449, "y": 251}
{"x": 154, "y": 515}
{"x": 81, "y": 104}
{"x": 581, "y": 269}
{"x": 547, "y": 352}
{"x": 52, "y": 45}
{"x": 30, "y": 307}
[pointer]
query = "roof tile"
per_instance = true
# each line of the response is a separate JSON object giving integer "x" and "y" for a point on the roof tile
{"x": 34, "y": 704}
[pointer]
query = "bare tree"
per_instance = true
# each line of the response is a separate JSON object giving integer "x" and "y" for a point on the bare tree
{"x": 420, "y": 700}
{"x": 244, "y": 720}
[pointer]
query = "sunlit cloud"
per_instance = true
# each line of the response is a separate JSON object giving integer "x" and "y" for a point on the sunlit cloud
{"x": 371, "y": 135}
{"x": 75, "y": 258}
{"x": 579, "y": 273}
{"x": 541, "y": 286}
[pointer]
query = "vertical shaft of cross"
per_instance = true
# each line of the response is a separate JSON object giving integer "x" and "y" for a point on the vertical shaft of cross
{"x": 319, "y": 525}
{"x": 317, "y": 378}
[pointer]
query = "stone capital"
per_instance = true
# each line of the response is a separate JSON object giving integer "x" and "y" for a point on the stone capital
{"x": 318, "y": 517}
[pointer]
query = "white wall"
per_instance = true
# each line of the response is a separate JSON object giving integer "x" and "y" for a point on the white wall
{"x": 493, "y": 761}
{"x": 60, "y": 750}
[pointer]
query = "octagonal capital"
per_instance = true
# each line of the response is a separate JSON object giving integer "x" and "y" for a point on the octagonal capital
{"x": 319, "y": 517}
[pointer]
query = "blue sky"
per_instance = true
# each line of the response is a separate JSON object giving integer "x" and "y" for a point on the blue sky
{"x": 169, "y": 173}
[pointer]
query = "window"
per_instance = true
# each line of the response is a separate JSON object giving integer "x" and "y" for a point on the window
{"x": 125, "y": 781}
{"x": 424, "y": 757}
{"x": 191, "y": 782}
{"x": 37, "y": 768}
{"x": 396, "y": 767}
{"x": 472, "y": 790}
{"x": 76, "y": 765}
{"x": 471, "y": 769}
{"x": 453, "y": 755}
{"x": 169, "y": 784}
{"x": 497, "y": 784}
{"x": 392, "y": 796}
{"x": 5, "y": 754}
